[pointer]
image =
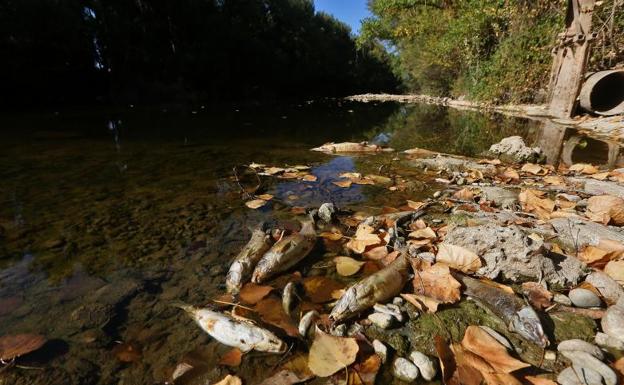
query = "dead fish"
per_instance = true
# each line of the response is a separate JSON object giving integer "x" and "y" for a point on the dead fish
{"x": 285, "y": 253}
{"x": 378, "y": 287}
{"x": 237, "y": 333}
{"x": 245, "y": 262}
{"x": 332, "y": 148}
{"x": 289, "y": 297}
{"x": 519, "y": 316}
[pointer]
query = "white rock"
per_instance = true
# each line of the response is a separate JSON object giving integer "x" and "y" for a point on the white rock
{"x": 579, "y": 376}
{"x": 562, "y": 299}
{"x": 607, "y": 286}
{"x": 382, "y": 320}
{"x": 606, "y": 341}
{"x": 398, "y": 301}
{"x": 179, "y": 371}
{"x": 587, "y": 361}
{"x": 580, "y": 345}
{"x": 404, "y": 370}
{"x": 584, "y": 298}
{"x": 426, "y": 365}
{"x": 550, "y": 355}
{"x": 390, "y": 309}
{"x": 381, "y": 350}
{"x": 613, "y": 322}
{"x": 497, "y": 336}
{"x": 326, "y": 212}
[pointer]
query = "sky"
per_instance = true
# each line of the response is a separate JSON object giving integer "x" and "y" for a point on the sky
{"x": 349, "y": 11}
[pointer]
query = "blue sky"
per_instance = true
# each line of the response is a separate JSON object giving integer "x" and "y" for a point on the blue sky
{"x": 349, "y": 11}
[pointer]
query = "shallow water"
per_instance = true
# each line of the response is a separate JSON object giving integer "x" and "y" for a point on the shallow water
{"x": 108, "y": 216}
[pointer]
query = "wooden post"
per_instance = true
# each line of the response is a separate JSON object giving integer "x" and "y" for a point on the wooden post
{"x": 570, "y": 58}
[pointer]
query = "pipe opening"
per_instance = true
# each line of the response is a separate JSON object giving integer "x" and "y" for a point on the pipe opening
{"x": 608, "y": 94}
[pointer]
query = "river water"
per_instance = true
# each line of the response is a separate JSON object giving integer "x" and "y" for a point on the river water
{"x": 106, "y": 217}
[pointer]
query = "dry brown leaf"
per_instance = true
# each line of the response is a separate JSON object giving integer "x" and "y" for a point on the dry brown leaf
{"x": 292, "y": 372}
{"x": 343, "y": 183}
{"x": 537, "y": 295}
{"x": 13, "y": 346}
{"x": 554, "y": 180}
{"x": 265, "y": 197}
{"x": 232, "y": 358}
{"x": 331, "y": 236}
{"x": 422, "y": 303}
{"x": 594, "y": 256}
{"x": 415, "y": 205}
{"x": 368, "y": 368}
{"x": 437, "y": 282}
{"x": 426, "y": 233}
{"x": 606, "y": 209}
{"x": 511, "y": 174}
{"x": 533, "y": 380}
{"x": 458, "y": 258}
{"x": 297, "y": 210}
{"x": 534, "y": 169}
{"x": 347, "y": 266}
{"x": 252, "y": 293}
{"x": 535, "y": 202}
{"x": 319, "y": 288}
{"x": 619, "y": 367}
{"x": 584, "y": 168}
{"x": 273, "y": 170}
{"x": 270, "y": 311}
{"x": 310, "y": 178}
{"x": 256, "y": 203}
{"x": 376, "y": 253}
{"x": 493, "y": 352}
{"x": 600, "y": 176}
{"x": 127, "y": 352}
{"x": 329, "y": 354}
{"x": 364, "y": 237}
{"x": 615, "y": 270}
{"x": 230, "y": 380}
{"x": 464, "y": 194}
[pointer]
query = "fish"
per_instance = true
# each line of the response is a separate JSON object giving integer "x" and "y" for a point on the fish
{"x": 245, "y": 262}
{"x": 378, "y": 287}
{"x": 289, "y": 297}
{"x": 285, "y": 253}
{"x": 520, "y": 317}
{"x": 332, "y": 148}
{"x": 233, "y": 332}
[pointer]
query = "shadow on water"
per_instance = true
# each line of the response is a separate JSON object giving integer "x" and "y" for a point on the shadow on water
{"x": 106, "y": 217}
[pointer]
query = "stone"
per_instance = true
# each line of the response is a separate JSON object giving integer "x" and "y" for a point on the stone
{"x": 509, "y": 253}
{"x": 426, "y": 365}
{"x": 599, "y": 187}
{"x": 562, "y": 299}
{"x": 502, "y": 197}
{"x": 587, "y": 361}
{"x": 450, "y": 164}
{"x": 514, "y": 150}
{"x": 549, "y": 355}
{"x": 404, "y": 370}
{"x": 326, "y": 212}
{"x": 575, "y": 232}
{"x": 605, "y": 341}
{"x": 390, "y": 309}
{"x": 613, "y": 322}
{"x": 582, "y": 346}
{"x": 584, "y": 298}
{"x": 93, "y": 315}
{"x": 381, "y": 350}
{"x": 610, "y": 290}
{"x": 579, "y": 376}
{"x": 398, "y": 301}
{"x": 382, "y": 320}
{"x": 340, "y": 330}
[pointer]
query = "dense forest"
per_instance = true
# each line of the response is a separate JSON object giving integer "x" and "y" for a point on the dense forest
{"x": 149, "y": 51}
{"x": 492, "y": 50}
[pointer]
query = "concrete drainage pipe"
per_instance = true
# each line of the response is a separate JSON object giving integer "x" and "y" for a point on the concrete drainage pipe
{"x": 603, "y": 93}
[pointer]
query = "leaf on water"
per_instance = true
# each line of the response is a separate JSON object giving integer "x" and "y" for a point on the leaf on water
{"x": 458, "y": 258}
{"x": 422, "y": 303}
{"x": 376, "y": 253}
{"x": 534, "y": 169}
{"x": 265, "y": 197}
{"x": 426, "y": 233}
{"x": 319, "y": 288}
{"x": 331, "y": 235}
{"x": 615, "y": 270}
{"x": 437, "y": 282}
{"x": 536, "y": 202}
{"x": 256, "y": 203}
{"x": 350, "y": 175}
{"x": 329, "y": 354}
{"x": 273, "y": 170}
{"x": 606, "y": 209}
{"x": 343, "y": 183}
{"x": 537, "y": 295}
{"x": 493, "y": 352}
{"x": 310, "y": 178}
{"x": 347, "y": 266}
{"x": 270, "y": 311}
{"x": 379, "y": 179}
{"x": 13, "y": 346}
{"x": 298, "y": 210}
{"x": 252, "y": 293}
{"x": 584, "y": 168}
{"x": 232, "y": 358}
{"x": 127, "y": 352}
{"x": 230, "y": 380}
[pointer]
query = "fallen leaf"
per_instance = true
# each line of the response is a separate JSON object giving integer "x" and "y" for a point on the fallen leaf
{"x": 370, "y": 267}
{"x": 600, "y": 176}
{"x": 331, "y": 236}
{"x": 376, "y": 253}
{"x": 437, "y": 282}
{"x": 619, "y": 366}
{"x": 273, "y": 170}
{"x": 319, "y": 288}
{"x": 493, "y": 352}
{"x": 426, "y": 233}
{"x": 350, "y": 175}
{"x": 379, "y": 179}
{"x": 535, "y": 202}
{"x": 537, "y": 295}
{"x": 363, "y": 238}
{"x": 310, "y": 178}
{"x": 127, "y": 352}
{"x": 554, "y": 180}
{"x": 533, "y": 380}
{"x": 16, "y": 345}
{"x": 458, "y": 258}
{"x": 464, "y": 194}
{"x": 422, "y": 303}
{"x": 230, "y": 380}
{"x": 534, "y": 169}
{"x": 256, "y": 203}
{"x": 343, "y": 183}
{"x": 510, "y": 174}
{"x": 584, "y": 168}
{"x": 232, "y": 358}
{"x": 298, "y": 210}
{"x": 594, "y": 256}
{"x": 292, "y": 372}
{"x": 270, "y": 311}
{"x": 615, "y": 270}
{"x": 347, "y": 266}
{"x": 265, "y": 197}
{"x": 368, "y": 369}
{"x": 252, "y": 293}
{"x": 329, "y": 354}
{"x": 415, "y": 205}
{"x": 606, "y": 209}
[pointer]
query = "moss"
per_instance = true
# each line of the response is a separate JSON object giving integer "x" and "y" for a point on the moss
{"x": 392, "y": 338}
{"x": 564, "y": 326}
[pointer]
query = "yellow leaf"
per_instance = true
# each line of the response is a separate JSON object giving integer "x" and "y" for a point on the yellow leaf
{"x": 487, "y": 347}
{"x": 535, "y": 201}
{"x": 230, "y": 380}
{"x": 458, "y": 258}
{"x": 331, "y": 236}
{"x": 437, "y": 282}
{"x": 534, "y": 169}
{"x": 606, "y": 209}
{"x": 426, "y": 233}
{"x": 615, "y": 270}
{"x": 584, "y": 168}
{"x": 346, "y": 266}
{"x": 255, "y": 204}
{"x": 554, "y": 180}
{"x": 329, "y": 354}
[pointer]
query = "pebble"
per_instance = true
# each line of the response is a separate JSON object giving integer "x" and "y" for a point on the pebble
{"x": 437, "y": 194}
{"x": 382, "y": 320}
{"x": 390, "y": 309}
{"x": 613, "y": 322}
{"x": 607, "y": 286}
{"x": 306, "y": 322}
{"x": 340, "y": 330}
{"x": 355, "y": 329}
{"x": 584, "y": 298}
{"x": 398, "y": 301}
{"x": 579, "y": 376}
{"x": 587, "y": 361}
{"x": 404, "y": 370}
{"x": 582, "y": 346}
{"x": 605, "y": 341}
{"x": 326, "y": 212}
{"x": 550, "y": 355}
{"x": 381, "y": 350}
{"x": 562, "y": 299}
{"x": 425, "y": 365}
{"x": 497, "y": 336}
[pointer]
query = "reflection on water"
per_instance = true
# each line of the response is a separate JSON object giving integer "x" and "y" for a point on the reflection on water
{"x": 103, "y": 223}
